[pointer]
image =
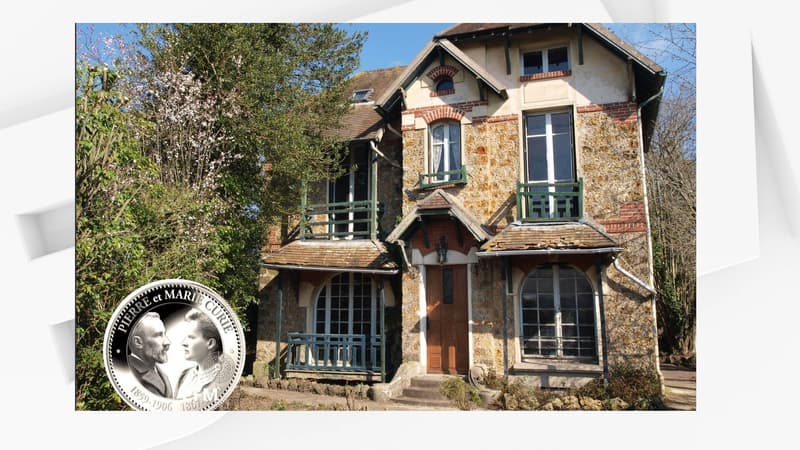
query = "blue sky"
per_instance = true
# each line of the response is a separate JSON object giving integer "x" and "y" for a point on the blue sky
{"x": 393, "y": 44}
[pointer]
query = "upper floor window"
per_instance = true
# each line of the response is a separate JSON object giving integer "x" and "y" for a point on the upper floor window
{"x": 547, "y": 60}
{"x": 551, "y": 190}
{"x": 445, "y": 160}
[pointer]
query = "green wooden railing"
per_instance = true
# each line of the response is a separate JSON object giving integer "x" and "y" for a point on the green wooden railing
{"x": 334, "y": 352}
{"x": 457, "y": 176}
{"x": 340, "y": 220}
{"x": 550, "y": 202}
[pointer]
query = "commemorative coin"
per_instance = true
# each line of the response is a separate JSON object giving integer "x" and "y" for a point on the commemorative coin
{"x": 174, "y": 345}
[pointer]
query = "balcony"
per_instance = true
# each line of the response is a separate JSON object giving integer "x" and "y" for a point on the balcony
{"x": 344, "y": 220}
{"x": 550, "y": 202}
{"x": 429, "y": 180}
{"x": 336, "y": 354}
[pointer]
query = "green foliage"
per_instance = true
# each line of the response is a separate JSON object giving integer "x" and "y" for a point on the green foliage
{"x": 459, "y": 392}
{"x": 138, "y": 220}
{"x": 637, "y": 386}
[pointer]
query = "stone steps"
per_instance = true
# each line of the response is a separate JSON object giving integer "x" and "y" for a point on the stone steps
{"x": 425, "y": 391}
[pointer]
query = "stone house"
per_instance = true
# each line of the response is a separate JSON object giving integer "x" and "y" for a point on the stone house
{"x": 492, "y": 216}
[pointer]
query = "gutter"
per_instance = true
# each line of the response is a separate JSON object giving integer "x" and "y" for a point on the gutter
{"x": 330, "y": 269}
{"x": 550, "y": 252}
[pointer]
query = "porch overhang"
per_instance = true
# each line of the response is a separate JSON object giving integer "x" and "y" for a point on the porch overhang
{"x": 572, "y": 238}
{"x": 359, "y": 256}
{"x": 436, "y": 203}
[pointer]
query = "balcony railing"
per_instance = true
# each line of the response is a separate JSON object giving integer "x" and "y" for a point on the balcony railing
{"x": 550, "y": 202}
{"x": 334, "y": 352}
{"x": 344, "y": 220}
{"x": 457, "y": 176}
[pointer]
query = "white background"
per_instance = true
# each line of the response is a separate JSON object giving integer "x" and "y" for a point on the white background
{"x": 748, "y": 220}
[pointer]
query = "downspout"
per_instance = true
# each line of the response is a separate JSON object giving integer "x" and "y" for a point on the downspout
{"x": 603, "y": 330}
{"x": 397, "y": 133}
{"x": 633, "y": 278}
{"x": 379, "y": 153}
{"x": 649, "y": 236}
{"x": 278, "y": 326}
{"x": 506, "y": 285}
{"x": 383, "y": 331}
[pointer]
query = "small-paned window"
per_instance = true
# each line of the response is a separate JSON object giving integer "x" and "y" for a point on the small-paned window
{"x": 543, "y": 61}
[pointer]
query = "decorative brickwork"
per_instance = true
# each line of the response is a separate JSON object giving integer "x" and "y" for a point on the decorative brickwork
{"x": 463, "y": 106}
{"x": 442, "y": 71}
{"x": 631, "y": 218}
{"x": 493, "y": 119}
{"x": 622, "y": 112}
{"x": 442, "y": 112}
{"x": 546, "y": 75}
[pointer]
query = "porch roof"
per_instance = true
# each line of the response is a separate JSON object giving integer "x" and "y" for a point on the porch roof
{"x": 439, "y": 202}
{"x": 550, "y": 238}
{"x": 340, "y": 255}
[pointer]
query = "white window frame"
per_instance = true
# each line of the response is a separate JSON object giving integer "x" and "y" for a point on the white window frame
{"x": 548, "y": 135}
{"x": 545, "y": 58}
{"x": 351, "y": 193}
{"x": 557, "y": 321}
{"x": 363, "y": 93}
{"x": 445, "y": 147}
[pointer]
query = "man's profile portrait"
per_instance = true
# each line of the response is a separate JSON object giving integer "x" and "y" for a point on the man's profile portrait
{"x": 148, "y": 345}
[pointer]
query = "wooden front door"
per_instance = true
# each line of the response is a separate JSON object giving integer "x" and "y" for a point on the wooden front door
{"x": 446, "y": 292}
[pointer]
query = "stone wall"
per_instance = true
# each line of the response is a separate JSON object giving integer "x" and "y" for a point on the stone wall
{"x": 491, "y": 154}
{"x": 409, "y": 308}
{"x": 390, "y": 181}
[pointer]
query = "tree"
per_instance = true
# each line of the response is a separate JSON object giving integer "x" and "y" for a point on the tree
{"x": 172, "y": 136}
{"x": 671, "y": 178}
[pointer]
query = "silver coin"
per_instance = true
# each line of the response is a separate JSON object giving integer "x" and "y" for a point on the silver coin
{"x": 174, "y": 345}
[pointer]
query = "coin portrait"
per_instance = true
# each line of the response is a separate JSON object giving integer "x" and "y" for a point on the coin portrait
{"x": 174, "y": 345}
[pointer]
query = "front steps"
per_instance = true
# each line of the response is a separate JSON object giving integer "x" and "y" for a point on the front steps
{"x": 425, "y": 391}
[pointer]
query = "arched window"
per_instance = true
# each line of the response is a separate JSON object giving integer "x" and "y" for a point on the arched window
{"x": 346, "y": 305}
{"x": 445, "y": 86}
{"x": 558, "y": 314}
{"x": 446, "y": 150}
{"x": 347, "y": 334}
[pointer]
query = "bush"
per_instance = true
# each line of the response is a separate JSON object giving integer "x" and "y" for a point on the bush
{"x": 460, "y": 393}
{"x": 637, "y": 386}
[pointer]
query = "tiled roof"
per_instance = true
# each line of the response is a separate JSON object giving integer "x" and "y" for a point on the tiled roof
{"x": 543, "y": 237}
{"x": 362, "y": 122}
{"x": 344, "y": 255}
{"x": 440, "y": 199}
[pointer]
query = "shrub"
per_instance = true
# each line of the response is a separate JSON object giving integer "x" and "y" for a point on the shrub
{"x": 460, "y": 393}
{"x": 637, "y": 386}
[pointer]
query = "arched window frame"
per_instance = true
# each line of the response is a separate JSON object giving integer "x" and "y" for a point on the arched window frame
{"x": 444, "y": 86}
{"x": 585, "y": 335}
{"x": 327, "y": 294}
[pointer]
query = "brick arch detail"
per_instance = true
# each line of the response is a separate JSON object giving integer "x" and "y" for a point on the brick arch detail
{"x": 439, "y": 72}
{"x": 443, "y": 112}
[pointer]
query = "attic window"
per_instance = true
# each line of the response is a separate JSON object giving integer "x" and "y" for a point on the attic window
{"x": 543, "y": 61}
{"x": 360, "y": 96}
{"x": 444, "y": 86}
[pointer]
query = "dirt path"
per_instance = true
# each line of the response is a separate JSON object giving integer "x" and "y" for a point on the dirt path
{"x": 681, "y": 388}
{"x": 248, "y": 398}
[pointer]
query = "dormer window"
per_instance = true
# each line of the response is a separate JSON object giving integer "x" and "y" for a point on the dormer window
{"x": 360, "y": 96}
